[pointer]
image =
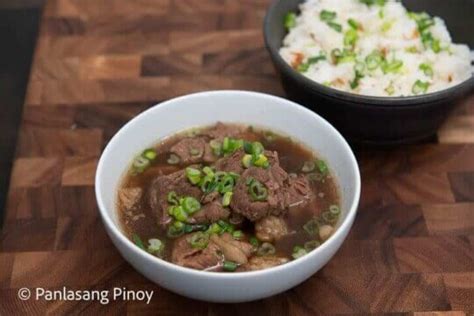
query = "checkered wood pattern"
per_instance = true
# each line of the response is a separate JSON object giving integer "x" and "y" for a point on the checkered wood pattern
{"x": 98, "y": 63}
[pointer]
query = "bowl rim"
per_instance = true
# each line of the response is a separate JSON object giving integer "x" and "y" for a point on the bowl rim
{"x": 116, "y": 231}
{"x": 379, "y": 101}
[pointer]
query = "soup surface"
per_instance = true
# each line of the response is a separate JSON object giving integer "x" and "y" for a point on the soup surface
{"x": 228, "y": 198}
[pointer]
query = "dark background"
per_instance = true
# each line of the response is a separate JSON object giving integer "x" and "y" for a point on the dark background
{"x": 18, "y": 30}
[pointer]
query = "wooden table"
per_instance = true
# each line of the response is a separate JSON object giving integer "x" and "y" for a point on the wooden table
{"x": 98, "y": 63}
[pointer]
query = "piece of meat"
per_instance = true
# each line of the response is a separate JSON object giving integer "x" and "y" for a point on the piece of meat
{"x": 271, "y": 228}
{"x": 193, "y": 150}
{"x": 233, "y": 250}
{"x": 273, "y": 178}
{"x": 232, "y": 163}
{"x": 260, "y": 263}
{"x": 162, "y": 185}
{"x": 185, "y": 255}
{"x": 208, "y": 198}
{"x": 297, "y": 191}
{"x": 220, "y": 130}
{"x": 129, "y": 197}
{"x": 209, "y": 213}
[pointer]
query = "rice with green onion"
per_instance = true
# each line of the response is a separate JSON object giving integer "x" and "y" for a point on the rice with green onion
{"x": 373, "y": 47}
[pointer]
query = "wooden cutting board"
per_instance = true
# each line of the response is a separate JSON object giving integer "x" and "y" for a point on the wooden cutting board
{"x": 98, "y": 63}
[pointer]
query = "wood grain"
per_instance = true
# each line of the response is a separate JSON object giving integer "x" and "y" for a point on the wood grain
{"x": 98, "y": 63}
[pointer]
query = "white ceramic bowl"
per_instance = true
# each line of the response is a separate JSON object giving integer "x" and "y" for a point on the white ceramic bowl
{"x": 207, "y": 108}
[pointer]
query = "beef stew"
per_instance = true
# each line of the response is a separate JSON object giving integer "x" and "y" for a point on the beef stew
{"x": 228, "y": 198}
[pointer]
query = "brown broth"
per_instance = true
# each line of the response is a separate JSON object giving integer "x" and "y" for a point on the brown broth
{"x": 292, "y": 156}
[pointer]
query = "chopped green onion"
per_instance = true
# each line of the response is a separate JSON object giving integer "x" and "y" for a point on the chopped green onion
{"x": 344, "y": 56}
{"x": 334, "y": 209}
{"x": 199, "y": 240}
{"x": 311, "y": 245}
{"x": 216, "y": 147}
{"x": 350, "y": 38}
{"x": 229, "y": 266}
{"x": 322, "y": 167}
{"x": 254, "y": 241}
{"x": 257, "y": 148}
{"x": 193, "y": 175}
{"x": 420, "y": 87}
{"x": 226, "y": 184}
{"x": 208, "y": 184}
{"x": 303, "y": 67}
{"x": 298, "y": 252}
{"x": 194, "y": 228}
{"x": 155, "y": 246}
{"x": 149, "y": 154}
{"x": 195, "y": 152}
{"x": 335, "y": 26}
{"x": 390, "y": 89}
{"x": 172, "y": 198}
{"x": 138, "y": 241}
{"x": 214, "y": 229}
{"x": 226, "y": 199}
{"x": 230, "y": 145}
{"x": 248, "y": 148}
{"x": 427, "y": 69}
{"x": 311, "y": 227}
{"x": 173, "y": 159}
{"x": 261, "y": 161}
{"x": 355, "y": 82}
{"x": 393, "y": 66}
{"x": 290, "y": 20}
{"x": 257, "y": 191}
{"x": 411, "y": 49}
{"x": 238, "y": 234}
{"x": 308, "y": 166}
{"x": 226, "y": 227}
{"x": 386, "y": 26}
{"x": 354, "y": 24}
{"x": 140, "y": 164}
{"x": 179, "y": 213}
{"x": 208, "y": 171}
{"x": 327, "y": 16}
{"x": 329, "y": 218}
{"x": 372, "y": 2}
{"x": 374, "y": 60}
{"x": 247, "y": 160}
{"x": 190, "y": 205}
{"x": 174, "y": 231}
{"x": 266, "y": 249}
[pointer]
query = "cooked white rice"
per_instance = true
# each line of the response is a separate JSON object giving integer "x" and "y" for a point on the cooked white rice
{"x": 410, "y": 55}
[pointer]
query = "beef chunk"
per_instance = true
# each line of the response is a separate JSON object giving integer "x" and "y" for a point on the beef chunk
{"x": 260, "y": 263}
{"x": 162, "y": 185}
{"x": 209, "y": 213}
{"x": 130, "y": 197}
{"x": 219, "y": 131}
{"x": 185, "y": 255}
{"x": 298, "y": 191}
{"x": 193, "y": 150}
{"x": 232, "y": 163}
{"x": 273, "y": 178}
{"x": 233, "y": 250}
{"x": 271, "y": 228}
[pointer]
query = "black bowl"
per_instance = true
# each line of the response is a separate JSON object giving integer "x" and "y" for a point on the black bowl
{"x": 376, "y": 120}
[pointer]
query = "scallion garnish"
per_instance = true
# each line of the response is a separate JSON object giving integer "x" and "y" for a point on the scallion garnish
{"x": 327, "y": 16}
{"x": 229, "y": 266}
{"x": 199, "y": 240}
{"x": 393, "y": 66}
{"x": 138, "y": 241}
{"x": 193, "y": 175}
{"x": 374, "y": 60}
{"x": 420, "y": 87}
{"x": 298, "y": 252}
{"x": 190, "y": 205}
{"x": 257, "y": 190}
{"x": 155, "y": 246}
{"x": 226, "y": 199}
{"x": 427, "y": 69}
{"x": 350, "y": 38}
{"x": 290, "y": 20}
{"x": 266, "y": 249}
